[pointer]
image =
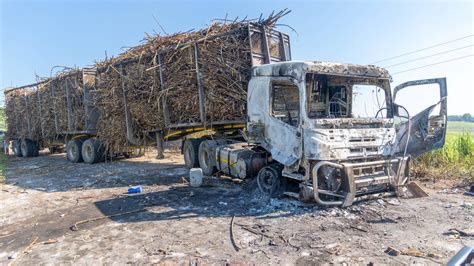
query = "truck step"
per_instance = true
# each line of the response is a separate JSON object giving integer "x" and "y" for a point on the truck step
{"x": 295, "y": 176}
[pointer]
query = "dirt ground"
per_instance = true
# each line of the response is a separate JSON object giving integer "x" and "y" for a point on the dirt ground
{"x": 171, "y": 223}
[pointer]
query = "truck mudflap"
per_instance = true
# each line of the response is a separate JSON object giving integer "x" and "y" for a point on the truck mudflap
{"x": 361, "y": 180}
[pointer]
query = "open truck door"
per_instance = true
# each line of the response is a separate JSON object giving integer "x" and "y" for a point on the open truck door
{"x": 420, "y": 131}
{"x": 283, "y": 130}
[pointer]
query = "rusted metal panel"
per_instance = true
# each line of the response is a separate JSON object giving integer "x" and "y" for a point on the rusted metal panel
{"x": 90, "y": 110}
{"x": 266, "y": 49}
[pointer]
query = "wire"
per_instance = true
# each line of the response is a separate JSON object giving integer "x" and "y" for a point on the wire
{"x": 426, "y": 48}
{"x": 429, "y": 56}
{"x": 437, "y": 63}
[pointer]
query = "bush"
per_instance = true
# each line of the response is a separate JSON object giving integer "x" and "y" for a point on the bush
{"x": 453, "y": 161}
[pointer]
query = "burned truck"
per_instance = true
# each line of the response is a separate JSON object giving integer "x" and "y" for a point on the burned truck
{"x": 325, "y": 132}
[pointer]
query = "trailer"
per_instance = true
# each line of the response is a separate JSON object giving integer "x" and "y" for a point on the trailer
{"x": 49, "y": 113}
{"x": 78, "y": 112}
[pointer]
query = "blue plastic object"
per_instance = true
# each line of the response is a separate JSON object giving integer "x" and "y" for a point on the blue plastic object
{"x": 135, "y": 189}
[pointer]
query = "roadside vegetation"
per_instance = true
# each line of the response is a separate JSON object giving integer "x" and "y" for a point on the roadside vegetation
{"x": 455, "y": 161}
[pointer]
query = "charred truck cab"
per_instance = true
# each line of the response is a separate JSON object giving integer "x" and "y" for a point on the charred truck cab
{"x": 327, "y": 132}
{"x": 334, "y": 130}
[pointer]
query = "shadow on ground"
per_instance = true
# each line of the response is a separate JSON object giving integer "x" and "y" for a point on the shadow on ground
{"x": 52, "y": 173}
{"x": 185, "y": 202}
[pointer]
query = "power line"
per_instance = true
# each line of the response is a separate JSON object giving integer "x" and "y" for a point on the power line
{"x": 426, "y": 48}
{"x": 437, "y": 63}
{"x": 429, "y": 56}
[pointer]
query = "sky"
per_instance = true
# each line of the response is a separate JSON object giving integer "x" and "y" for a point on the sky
{"x": 37, "y": 35}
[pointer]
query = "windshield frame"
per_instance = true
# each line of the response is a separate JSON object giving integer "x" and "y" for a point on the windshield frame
{"x": 349, "y": 82}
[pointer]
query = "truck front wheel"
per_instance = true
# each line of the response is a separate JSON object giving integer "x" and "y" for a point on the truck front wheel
{"x": 73, "y": 151}
{"x": 269, "y": 180}
{"x": 191, "y": 152}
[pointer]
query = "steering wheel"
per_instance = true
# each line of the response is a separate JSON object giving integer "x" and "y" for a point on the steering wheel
{"x": 380, "y": 110}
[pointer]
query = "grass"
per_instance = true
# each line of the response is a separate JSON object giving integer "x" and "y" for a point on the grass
{"x": 455, "y": 160}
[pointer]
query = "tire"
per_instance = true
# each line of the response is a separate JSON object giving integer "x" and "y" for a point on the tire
{"x": 74, "y": 151}
{"x": 207, "y": 157}
{"x": 92, "y": 151}
{"x": 28, "y": 148}
{"x": 191, "y": 152}
{"x": 17, "y": 148}
{"x": 269, "y": 180}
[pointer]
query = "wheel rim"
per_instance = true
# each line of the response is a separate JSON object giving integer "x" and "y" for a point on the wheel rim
{"x": 205, "y": 159}
{"x": 16, "y": 148}
{"x": 72, "y": 152}
{"x": 23, "y": 148}
{"x": 88, "y": 152}
{"x": 187, "y": 156}
{"x": 268, "y": 181}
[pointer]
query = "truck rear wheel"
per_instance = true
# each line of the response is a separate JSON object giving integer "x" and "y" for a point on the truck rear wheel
{"x": 92, "y": 151}
{"x": 73, "y": 151}
{"x": 207, "y": 157}
{"x": 28, "y": 148}
{"x": 191, "y": 152}
{"x": 17, "y": 148}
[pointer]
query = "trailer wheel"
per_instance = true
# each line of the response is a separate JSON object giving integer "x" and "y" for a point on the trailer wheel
{"x": 17, "y": 148}
{"x": 73, "y": 151}
{"x": 207, "y": 160}
{"x": 28, "y": 148}
{"x": 191, "y": 152}
{"x": 92, "y": 151}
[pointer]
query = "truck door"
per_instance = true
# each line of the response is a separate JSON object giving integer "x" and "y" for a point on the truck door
{"x": 420, "y": 110}
{"x": 283, "y": 130}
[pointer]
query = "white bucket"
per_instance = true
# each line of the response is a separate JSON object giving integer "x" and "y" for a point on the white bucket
{"x": 195, "y": 177}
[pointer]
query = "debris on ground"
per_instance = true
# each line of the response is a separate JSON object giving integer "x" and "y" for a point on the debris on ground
{"x": 135, "y": 189}
{"x": 470, "y": 192}
{"x": 171, "y": 222}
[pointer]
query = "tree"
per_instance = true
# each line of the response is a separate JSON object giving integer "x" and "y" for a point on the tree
{"x": 467, "y": 117}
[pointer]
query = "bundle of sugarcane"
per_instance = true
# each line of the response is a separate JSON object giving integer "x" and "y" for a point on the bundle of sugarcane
{"x": 131, "y": 83}
{"x": 47, "y": 111}
{"x": 23, "y": 113}
{"x": 68, "y": 100}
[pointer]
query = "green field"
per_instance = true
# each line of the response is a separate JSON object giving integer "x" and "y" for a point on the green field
{"x": 454, "y": 160}
{"x": 459, "y": 127}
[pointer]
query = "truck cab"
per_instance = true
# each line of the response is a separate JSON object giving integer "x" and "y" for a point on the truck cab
{"x": 333, "y": 133}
